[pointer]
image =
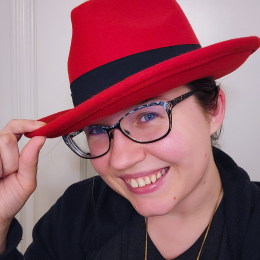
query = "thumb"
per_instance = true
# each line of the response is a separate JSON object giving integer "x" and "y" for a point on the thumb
{"x": 28, "y": 162}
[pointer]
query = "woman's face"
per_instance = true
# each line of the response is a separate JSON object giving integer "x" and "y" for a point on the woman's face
{"x": 183, "y": 158}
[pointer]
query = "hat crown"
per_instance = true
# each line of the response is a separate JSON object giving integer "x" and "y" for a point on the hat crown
{"x": 107, "y": 30}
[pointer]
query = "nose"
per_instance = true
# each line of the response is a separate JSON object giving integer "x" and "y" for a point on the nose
{"x": 124, "y": 152}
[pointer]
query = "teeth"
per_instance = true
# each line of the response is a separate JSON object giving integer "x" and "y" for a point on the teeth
{"x": 140, "y": 182}
{"x": 147, "y": 180}
{"x": 134, "y": 183}
{"x": 153, "y": 178}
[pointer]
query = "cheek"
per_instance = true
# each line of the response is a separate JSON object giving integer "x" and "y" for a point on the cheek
{"x": 188, "y": 143}
{"x": 101, "y": 166}
{"x": 171, "y": 147}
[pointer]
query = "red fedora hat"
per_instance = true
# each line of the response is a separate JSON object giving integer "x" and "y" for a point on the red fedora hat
{"x": 126, "y": 51}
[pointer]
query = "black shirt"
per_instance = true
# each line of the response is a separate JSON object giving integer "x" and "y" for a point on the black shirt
{"x": 216, "y": 238}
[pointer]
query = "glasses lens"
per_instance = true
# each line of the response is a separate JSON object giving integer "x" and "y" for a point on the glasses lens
{"x": 146, "y": 124}
{"x": 92, "y": 142}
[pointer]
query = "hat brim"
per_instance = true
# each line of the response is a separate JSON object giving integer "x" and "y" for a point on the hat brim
{"x": 215, "y": 61}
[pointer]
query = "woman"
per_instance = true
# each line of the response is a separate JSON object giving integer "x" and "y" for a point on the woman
{"x": 147, "y": 106}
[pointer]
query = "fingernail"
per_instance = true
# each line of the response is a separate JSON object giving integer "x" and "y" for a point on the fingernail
{"x": 39, "y": 123}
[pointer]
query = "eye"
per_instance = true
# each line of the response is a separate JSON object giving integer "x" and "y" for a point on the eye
{"x": 147, "y": 117}
{"x": 95, "y": 130}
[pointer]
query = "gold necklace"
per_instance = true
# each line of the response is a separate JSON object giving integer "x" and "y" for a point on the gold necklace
{"x": 207, "y": 231}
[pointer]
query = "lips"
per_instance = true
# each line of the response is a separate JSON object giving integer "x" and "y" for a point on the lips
{"x": 146, "y": 180}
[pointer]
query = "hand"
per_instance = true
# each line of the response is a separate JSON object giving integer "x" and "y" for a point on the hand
{"x": 17, "y": 171}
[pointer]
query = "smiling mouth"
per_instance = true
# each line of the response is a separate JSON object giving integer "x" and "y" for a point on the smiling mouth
{"x": 141, "y": 182}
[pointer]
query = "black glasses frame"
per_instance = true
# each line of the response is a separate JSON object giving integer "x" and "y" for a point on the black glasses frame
{"x": 168, "y": 105}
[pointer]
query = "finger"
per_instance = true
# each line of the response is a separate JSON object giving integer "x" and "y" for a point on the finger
{"x": 9, "y": 154}
{"x": 21, "y": 126}
{"x": 1, "y": 168}
{"x": 28, "y": 162}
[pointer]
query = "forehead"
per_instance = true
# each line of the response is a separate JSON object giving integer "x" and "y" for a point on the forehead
{"x": 166, "y": 96}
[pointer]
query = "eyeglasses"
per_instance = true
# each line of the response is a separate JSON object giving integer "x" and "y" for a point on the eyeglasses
{"x": 145, "y": 124}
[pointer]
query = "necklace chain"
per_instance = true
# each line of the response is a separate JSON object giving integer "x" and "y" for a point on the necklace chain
{"x": 207, "y": 231}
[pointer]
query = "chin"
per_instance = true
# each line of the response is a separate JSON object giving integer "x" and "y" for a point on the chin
{"x": 158, "y": 208}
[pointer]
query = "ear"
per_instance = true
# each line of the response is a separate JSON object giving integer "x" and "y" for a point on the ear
{"x": 218, "y": 115}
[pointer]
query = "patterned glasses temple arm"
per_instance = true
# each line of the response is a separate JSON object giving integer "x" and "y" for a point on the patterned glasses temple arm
{"x": 177, "y": 100}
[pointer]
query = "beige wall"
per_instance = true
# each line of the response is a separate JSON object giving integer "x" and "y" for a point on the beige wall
{"x": 34, "y": 44}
